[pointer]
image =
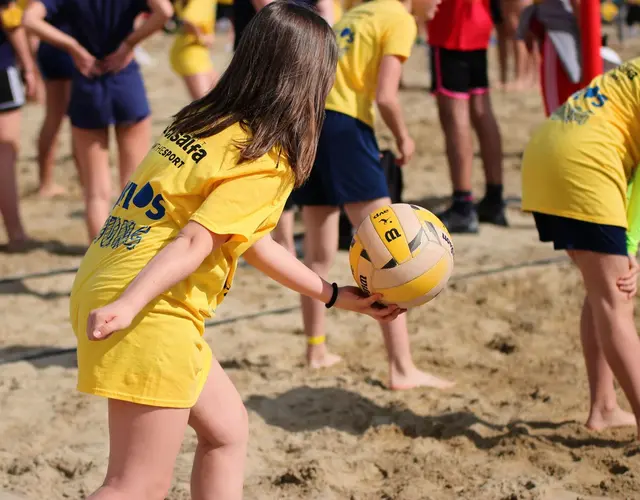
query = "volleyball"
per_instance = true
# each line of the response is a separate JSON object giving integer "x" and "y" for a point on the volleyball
{"x": 403, "y": 252}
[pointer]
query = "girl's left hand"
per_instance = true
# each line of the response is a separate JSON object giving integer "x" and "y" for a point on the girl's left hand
{"x": 30, "y": 85}
{"x": 107, "y": 320}
{"x": 629, "y": 282}
{"x": 118, "y": 60}
{"x": 352, "y": 298}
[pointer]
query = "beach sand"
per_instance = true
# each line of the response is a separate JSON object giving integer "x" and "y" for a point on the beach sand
{"x": 506, "y": 330}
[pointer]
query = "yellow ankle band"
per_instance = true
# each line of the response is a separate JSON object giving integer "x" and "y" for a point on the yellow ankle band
{"x": 320, "y": 339}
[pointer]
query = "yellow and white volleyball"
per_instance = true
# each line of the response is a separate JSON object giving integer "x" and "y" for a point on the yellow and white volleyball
{"x": 403, "y": 252}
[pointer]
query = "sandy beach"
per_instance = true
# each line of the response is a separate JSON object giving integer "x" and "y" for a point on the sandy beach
{"x": 506, "y": 330}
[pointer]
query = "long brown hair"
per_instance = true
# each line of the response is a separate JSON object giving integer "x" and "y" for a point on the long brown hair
{"x": 275, "y": 87}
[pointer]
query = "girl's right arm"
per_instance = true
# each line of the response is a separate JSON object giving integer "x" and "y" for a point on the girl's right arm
{"x": 388, "y": 102}
{"x": 34, "y": 21}
{"x": 170, "y": 266}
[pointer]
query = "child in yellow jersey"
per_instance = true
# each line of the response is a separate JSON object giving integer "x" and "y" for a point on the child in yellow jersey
{"x": 209, "y": 191}
{"x": 577, "y": 171}
{"x": 374, "y": 39}
{"x": 189, "y": 54}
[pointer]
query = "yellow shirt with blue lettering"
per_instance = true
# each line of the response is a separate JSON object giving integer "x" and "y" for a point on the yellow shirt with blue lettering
{"x": 161, "y": 359}
{"x": 581, "y": 161}
{"x": 365, "y": 34}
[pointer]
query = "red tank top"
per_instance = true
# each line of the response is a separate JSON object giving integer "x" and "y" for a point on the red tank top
{"x": 461, "y": 25}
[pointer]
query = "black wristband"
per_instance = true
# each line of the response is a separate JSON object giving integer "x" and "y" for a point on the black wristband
{"x": 334, "y": 296}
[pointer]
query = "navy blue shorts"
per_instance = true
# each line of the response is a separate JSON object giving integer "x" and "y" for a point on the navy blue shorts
{"x": 112, "y": 99}
{"x": 573, "y": 234}
{"x": 347, "y": 168}
{"x": 54, "y": 64}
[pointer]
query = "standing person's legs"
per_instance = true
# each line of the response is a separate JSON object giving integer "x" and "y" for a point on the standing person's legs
{"x": 200, "y": 84}
{"x": 222, "y": 426}
{"x": 616, "y": 341}
{"x": 403, "y": 373}
{"x": 57, "y": 97}
{"x": 134, "y": 141}
{"x": 603, "y": 407}
{"x": 451, "y": 79}
{"x": 501, "y": 40}
{"x": 283, "y": 232}
{"x": 92, "y": 153}
{"x": 144, "y": 442}
{"x": 320, "y": 248}
{"x": 491, "y": 208}
{"x": 522, "y": 65}
{"x": 9, "y": 199}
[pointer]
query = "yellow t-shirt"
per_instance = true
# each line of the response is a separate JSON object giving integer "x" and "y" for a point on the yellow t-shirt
{"x": 184, "y": 179}
{"x": 580, "y": 160}
{"x": 365, "y": 34}
{"x": 11, "y": 16}
{"x": 202, "y": 13}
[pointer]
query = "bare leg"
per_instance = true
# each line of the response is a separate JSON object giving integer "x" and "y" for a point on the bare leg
{"x": 616, "y": 337}
{"x": 9, "y": 200}
{"x": 503, "y": 54}
{"x": 134, "y": 142}
{"x": 283, "y": 233}
{"x": 199, "y": 85}
{"x": 320, "y": 248}
{"x": 455, "y": 119}
{"x": 221, "y": 423}
{"x": 57, "y": 97}
{"x": 144, "y": 442}
{"x": 403, "y": 373}
{"x": 486, "y": 128}
{"x": 92, "y": 152}
{"x": 604, "y": 410}
{"x": 456, "y": 125}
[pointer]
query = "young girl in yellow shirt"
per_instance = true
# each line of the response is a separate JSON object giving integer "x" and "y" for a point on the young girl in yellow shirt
{"x": 209, "y": 191}
{"x": 577, "y": 171}
{"x": 189, "y": 54}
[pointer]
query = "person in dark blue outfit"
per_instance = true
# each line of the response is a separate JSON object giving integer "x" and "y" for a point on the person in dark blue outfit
{"x": 14, "y": 52}
{"x": 107, "y": 87}
{"x": 56, "y": 68}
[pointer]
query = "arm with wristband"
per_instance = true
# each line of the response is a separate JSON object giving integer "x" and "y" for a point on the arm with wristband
{"x": 181, "y": 257}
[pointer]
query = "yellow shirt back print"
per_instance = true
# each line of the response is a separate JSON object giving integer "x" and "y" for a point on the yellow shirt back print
{"x": 579, "y": 162}
{"x": 161, "y": 359}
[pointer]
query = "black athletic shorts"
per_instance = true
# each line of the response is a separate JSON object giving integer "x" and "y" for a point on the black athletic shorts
{"x": 11, "y": 89}
{"x": 459, "y": 73}
{"x": 496, "y": 12}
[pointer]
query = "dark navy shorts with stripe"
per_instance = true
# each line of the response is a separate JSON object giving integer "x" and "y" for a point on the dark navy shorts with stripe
{"x": 573, "y": 234}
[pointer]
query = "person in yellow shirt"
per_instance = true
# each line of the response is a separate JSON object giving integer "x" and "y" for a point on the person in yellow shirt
{"x": 577, "y": 174}
{"x": 209, "y": 191}
{"x": 374, "y": 39}
{"x": 189, "y": 53}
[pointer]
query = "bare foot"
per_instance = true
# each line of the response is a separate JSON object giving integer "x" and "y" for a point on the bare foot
{"x": 51, "y": 191}
{"x": 416, "y": 378}
{"x": 318, "y": 356}
{"x": 600, "y": 420}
